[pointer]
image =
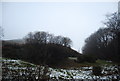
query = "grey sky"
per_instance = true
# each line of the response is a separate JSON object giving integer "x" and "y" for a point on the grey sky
{"x": 74, "y": 20}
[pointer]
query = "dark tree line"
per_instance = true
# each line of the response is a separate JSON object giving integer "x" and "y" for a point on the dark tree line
{"x": 105, "y": 42}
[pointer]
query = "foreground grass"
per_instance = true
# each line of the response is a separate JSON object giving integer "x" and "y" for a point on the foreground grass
{"x": 17, "y": 68}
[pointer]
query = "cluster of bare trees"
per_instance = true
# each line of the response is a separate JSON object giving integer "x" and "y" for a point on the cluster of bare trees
{"x": 106, "y": 41}
{"x": 45, "y": 37}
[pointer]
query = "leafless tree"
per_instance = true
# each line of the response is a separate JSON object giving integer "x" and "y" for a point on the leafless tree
{"x": 66, "y": 41}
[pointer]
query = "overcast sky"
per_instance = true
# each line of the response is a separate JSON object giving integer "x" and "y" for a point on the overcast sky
{"x": 74, "y": 20}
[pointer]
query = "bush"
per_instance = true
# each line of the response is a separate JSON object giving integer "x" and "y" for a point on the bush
{"x": 97, "y": 70}
{"x": 80, "y": 59}
{"x": 10, "y": 50}
{"x": 86, "y": 58}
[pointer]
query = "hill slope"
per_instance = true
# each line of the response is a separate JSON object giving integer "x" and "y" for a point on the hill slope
{"x": 38, "y": 53}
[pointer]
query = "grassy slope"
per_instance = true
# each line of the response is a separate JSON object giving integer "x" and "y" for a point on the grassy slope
{"x": 67, "y": 64}
{"x": 19, "y": 63}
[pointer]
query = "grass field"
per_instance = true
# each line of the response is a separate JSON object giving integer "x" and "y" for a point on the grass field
{"x": 68, "y": 64}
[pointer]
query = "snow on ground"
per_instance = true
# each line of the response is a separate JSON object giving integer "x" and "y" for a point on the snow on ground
{"x": 78, "y": 73}
{"x": 83, "y": 73}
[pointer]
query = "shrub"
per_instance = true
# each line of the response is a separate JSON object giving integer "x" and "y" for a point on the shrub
{"x": 80, "y": 59}
{"x": 86, "y": 58}
{"x": 97, "y": 70}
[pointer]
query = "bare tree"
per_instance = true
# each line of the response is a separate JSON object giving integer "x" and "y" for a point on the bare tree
{"x": 40, "y": 37}
{"x": 29, "y": 38}
{"x": 58, "y": 40}
{"x": 66, "y": 41}
{"x": 50, "y": 38}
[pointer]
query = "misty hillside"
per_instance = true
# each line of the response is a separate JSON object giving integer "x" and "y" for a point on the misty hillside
{"x": 17, "y": 41}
